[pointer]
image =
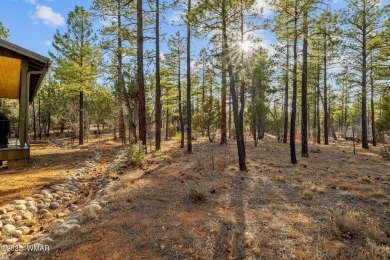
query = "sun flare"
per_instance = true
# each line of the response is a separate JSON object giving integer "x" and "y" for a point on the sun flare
{"x": 245, "y": 46}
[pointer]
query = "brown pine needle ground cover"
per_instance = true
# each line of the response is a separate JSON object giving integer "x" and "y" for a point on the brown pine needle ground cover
{"x": 51, "y": 163}
{"x": 333, "y": 205}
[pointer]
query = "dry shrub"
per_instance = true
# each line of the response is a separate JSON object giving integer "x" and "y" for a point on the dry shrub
{"x": 365, "y": 179}
{"x": 332, "y": 169}
{"x": 348, "y": 224}
{"x": 352, "y": 224}
{"x": 279, "y": 178}
{"x": 385, "y": 153}
{"x": 198, "y": 193}
{"x": 307, "y": 194}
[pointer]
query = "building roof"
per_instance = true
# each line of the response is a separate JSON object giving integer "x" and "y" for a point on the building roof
{"x": 11, "y": 57}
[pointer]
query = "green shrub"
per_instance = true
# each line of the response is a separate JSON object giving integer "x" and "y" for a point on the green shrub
{"x": 135, "y": 153}
{"x": 177, "y": 138}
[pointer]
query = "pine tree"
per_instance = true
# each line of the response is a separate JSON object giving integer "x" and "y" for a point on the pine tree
{"x": 77, "y": 58}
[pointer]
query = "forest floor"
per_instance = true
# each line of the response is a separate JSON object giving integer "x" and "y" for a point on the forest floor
{"x": 332, "y": 205}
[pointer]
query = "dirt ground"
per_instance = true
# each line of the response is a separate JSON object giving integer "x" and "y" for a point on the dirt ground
{"x": 51, "y": 162}
{"x": 333, "y": 205}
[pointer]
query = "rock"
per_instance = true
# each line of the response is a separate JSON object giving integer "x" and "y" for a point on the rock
{"x": 8, "y": 215}
{"x": 26, "y": 238}
{"x": 18, "y": 202}
{"x": 43, "y": 211}
{"x": 32, "y": 209}
{"x": 18, "y": 217}
{"x": 20, "y": 206}
{"x": 3, "y": 211}
{"x": 54, "y": 205}
{"x": 29, "y": 199}
{"x": 25, "y": 222}
{"x": 66, "y": 199}
{"x": 45, "y": 192}
{"x": 73, "y": 207}
{"x": 4, "y": 258}
{"x": 46, "y": 241}
{"x": 25, "y": 230}
{"x": 55, "y": 223}
{"x": 41, "y": 206}
{"x": 30, "y": 203}
{"x": 38, "y": 196}
{"x": 1, "y": 224}
{"x": 48, "y": 215}
{"x": 28, "y": 215}
{"x": 47, "y": 200}
{"x": 64, "y": 229}
{"x": 16, "y": 233}
{"x": 8, "y": 228}
{"x": 9, "y": 207}
{"x": 39, "y": 202}
{"x": 62, "y": 214}
{"x": 91, "y": 211}
{"x": 8, "y": 221}
{"x": 71, "y": 222}
{"x": 11, "y": 241}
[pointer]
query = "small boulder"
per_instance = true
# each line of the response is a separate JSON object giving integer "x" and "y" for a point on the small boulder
{"x": 32, "y": 209}
{"x": 11, "y": 241}
{"x": 54, "y": 205}
{"x": 16, "y": 233}
{"x": 25, "y": 230}
{"x": 7, "y": 229}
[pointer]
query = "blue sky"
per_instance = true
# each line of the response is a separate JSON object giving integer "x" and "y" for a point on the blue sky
{"x": 32, "y": 23}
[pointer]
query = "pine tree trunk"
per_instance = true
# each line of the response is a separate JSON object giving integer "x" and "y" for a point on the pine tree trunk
{"x": 285, "y": 126}
{"x": 121, "y": 87}
{"x": 158, "y": 86}
{"x": 364, "y": 86}
{"x": 189, "y": 108}
{"x": 180, "y": 107}
{"x": 294, "y": 97}
{"x": 326, "y": 115}
{"x": 318, "y": 121}
{"x": 223, "y": 103}
{"x": 81, "y": 118}
{"x": 372, "y": 108}
{"x": 237, "y": 119}
{"x": 167, "y": 126}
{"x": 305, "y": 147}
{"x": 140, "y": 76}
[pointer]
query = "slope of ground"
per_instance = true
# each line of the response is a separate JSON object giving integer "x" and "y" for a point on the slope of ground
{"x": 333, "y": 205}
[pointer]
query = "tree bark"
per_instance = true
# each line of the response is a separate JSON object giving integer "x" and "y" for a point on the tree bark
{"x": 81, "y": 118}
{"x": 372, "y": 111}
{"x": 326, "y": 115}
{"x": 294, "y": 97}
{"x": 189, "y": 108}
{"x": 237, "y": 119}
{"x": 364, "y": 83}
{"x": 223, "y": 103}
{"x": 158, "y": 86}
{"x": 305, "y": 148}
{"x": 285, "y": 126}
{"x": 140, "y": 76}
{"x": 180, "y": 107}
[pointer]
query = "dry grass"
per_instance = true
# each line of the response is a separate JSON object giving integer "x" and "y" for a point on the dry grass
{"x": 273, "y": 211}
